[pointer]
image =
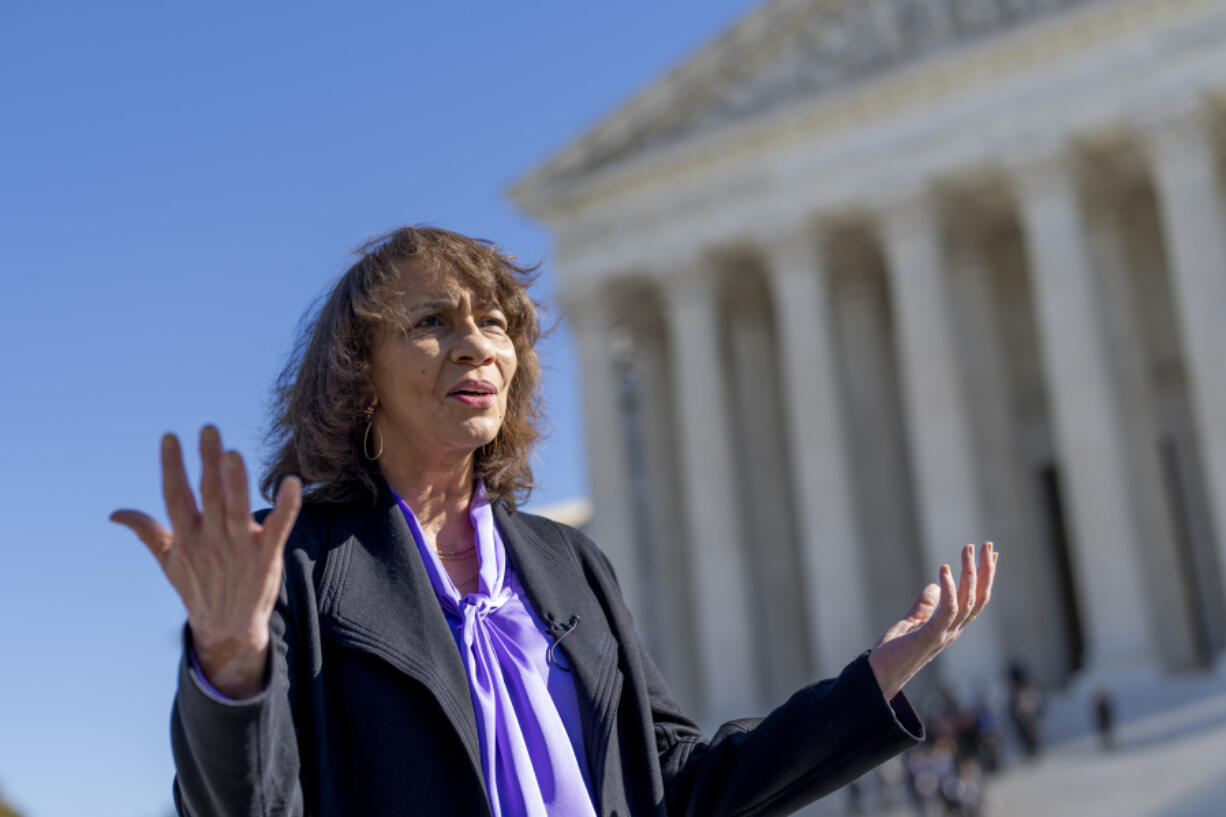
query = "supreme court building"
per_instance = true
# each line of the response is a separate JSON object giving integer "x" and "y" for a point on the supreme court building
{"x": 863, "y": 281}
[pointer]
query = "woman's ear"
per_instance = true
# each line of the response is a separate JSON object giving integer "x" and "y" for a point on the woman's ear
{"x": 370, "y": 402}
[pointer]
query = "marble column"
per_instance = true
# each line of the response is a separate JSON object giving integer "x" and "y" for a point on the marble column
{"x": 1193, "y": 213}
{"x": 1090, "y": 437}
{"x": 1028, "y": 601}
{"x": 830, "y": 543}
{"x": 938, "y": 416}
{"x": 666, "y": 561}
{"x": 718, "y": 579}
{"x": 612, "y": 524}
{"x": 764, "y": 492}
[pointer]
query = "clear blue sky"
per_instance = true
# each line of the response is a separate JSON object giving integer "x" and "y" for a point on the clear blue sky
{"x": 177, "y": 183}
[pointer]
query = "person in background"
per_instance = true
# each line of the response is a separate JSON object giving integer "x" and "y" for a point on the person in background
{"x": 1025, "y": 708}
{"x": 1104, "y": 717}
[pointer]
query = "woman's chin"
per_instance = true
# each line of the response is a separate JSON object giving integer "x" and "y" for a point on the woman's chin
{"x": 479, "y": 434}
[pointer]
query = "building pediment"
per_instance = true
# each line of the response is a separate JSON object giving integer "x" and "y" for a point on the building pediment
{"x": 784, "y": 52}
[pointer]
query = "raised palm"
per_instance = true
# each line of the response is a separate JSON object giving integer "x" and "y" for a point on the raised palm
{"x": 935, "y": 620}
{"x": 224, "y": 565}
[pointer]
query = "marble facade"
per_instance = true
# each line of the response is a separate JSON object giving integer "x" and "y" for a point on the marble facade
{"x": 865, "y": 280}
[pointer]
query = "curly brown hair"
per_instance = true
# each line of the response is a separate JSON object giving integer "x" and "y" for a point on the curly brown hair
{"x": 317, "y": 425}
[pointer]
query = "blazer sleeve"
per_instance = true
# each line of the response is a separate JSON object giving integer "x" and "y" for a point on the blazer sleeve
{"x": 821, "y": 738}
{"x": 237, "y": 758}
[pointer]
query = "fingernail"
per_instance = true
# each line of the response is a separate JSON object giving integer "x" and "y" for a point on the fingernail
{"x": 209, "y": 433}
{"x": 168, "y": 441}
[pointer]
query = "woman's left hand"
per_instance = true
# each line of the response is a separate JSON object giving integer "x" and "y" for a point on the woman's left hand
{"x": 935, "y": 620}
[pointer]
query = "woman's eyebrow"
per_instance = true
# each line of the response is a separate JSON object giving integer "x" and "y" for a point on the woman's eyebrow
{"x": 433, "y": 303}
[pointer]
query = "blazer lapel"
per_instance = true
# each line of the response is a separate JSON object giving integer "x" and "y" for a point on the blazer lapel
{"x": 376, "y": 596}
{"x": 553, "y": 578}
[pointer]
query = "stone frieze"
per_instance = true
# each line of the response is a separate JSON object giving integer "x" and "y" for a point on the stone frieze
{"x": 802, "y": 50}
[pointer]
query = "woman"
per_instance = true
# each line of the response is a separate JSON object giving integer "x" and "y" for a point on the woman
{"x": 395, "y": 638}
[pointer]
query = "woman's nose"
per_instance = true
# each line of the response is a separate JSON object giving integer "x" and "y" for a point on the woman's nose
{"x": 472, "y": 346}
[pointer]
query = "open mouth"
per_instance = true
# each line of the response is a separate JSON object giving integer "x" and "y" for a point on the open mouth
{"x": 474, "y": 388}
{"x": 474, "y": 392}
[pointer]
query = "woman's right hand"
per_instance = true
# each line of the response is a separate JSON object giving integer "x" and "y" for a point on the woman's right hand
{"x": 224, "y": 565}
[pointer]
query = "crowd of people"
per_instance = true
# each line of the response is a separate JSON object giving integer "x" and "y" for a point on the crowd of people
{"x": 947, "y": 775}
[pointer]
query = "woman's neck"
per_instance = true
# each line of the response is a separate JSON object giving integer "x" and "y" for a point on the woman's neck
{"x": 440, "y": 498}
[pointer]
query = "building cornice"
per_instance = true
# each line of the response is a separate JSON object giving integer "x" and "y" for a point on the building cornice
{"x": 565, "y": 183}
{"x": 786, "y": 52}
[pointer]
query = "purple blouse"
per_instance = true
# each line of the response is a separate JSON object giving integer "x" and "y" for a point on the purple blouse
{"x": 527, "y": 708}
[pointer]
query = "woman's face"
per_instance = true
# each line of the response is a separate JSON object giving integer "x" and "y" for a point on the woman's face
{"x": 441, "y": 381}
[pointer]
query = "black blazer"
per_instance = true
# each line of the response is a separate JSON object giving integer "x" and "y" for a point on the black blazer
{"x": 367, "y": 709}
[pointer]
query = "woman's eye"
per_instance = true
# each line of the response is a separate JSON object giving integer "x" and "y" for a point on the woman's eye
{"x": 428, "y": 322}
{"x": 495, "y": 321}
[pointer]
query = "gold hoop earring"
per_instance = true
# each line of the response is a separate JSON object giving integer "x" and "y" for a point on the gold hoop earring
{"x": 366, "y": 443}
{"x": 369, "y": 415}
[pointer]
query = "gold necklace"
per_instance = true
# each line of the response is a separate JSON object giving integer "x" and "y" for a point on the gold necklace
{"x": 456, "y": 554}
